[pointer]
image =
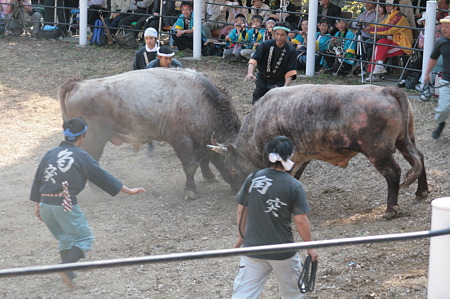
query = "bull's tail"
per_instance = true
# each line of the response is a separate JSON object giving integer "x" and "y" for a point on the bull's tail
{"x": 65, "y": 89}
{"x": 417, "y": 165}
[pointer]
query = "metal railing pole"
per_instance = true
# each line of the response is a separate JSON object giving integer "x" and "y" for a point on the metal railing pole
{"x": 83, "y": 23}
{"x": 197, "y": 29}
{"x": 439, "y": 263}
{"x": 311, "y": 39}
{"x": 430, "y": 27}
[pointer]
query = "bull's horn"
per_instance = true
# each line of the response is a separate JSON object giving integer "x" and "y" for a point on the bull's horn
{"x": 214, "y": 141}
{"x": 218, "y": 148}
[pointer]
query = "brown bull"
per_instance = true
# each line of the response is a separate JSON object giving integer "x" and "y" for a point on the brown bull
{"x": 181, "y": 107}
{"x": 333, "y": 124}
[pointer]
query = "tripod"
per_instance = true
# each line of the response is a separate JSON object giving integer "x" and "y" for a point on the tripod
{"x": 359, "y": 52}
{"x": 14, "y": 18}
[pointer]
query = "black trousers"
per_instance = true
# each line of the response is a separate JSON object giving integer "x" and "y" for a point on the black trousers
{"x": 263, "y": 85}
{"x": 183, "y": 42}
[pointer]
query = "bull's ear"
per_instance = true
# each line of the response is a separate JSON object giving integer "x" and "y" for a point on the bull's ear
{"x": 232, "y": 149}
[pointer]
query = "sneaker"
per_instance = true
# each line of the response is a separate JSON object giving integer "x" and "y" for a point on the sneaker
{"x": 437, "y": 132}
{"x": 419, "y": 87}
{"x": 379, "y": 69}
{"x": 373, "y": 78}
{"x": 401, "y": 84}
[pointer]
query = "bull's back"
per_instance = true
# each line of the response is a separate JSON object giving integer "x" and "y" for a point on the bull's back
{"x": 325, "y": 119}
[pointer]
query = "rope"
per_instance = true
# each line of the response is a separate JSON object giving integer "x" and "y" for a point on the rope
{"x": 307, "y": 278}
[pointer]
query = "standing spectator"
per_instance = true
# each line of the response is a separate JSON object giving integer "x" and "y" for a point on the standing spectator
{"x": 276, "y": 61}
{"x": 255, "y": 36}
{"x": 119, "y": 10}
{"x": 165, "y": 59}
{"x": 214, "y": 15}
{"x": 268, "y": 201}
{"x": 60, "y": 177}
{"x": 441, "y": 47}
{"x": 148, "y": 52}
{"x": 257, "y": 7}
{"x": 394, "y": 36}
{"x": 329, "y": 11}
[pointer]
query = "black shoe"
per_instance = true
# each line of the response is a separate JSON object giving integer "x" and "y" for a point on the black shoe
{"x": 437, "y": 132}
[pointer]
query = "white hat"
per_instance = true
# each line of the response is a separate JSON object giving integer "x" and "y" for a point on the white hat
{"x": 151, "y": 32}
{"x": 423, "y": 18}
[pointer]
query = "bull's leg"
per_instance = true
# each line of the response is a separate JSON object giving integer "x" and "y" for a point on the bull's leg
{"x": 94, "y": 144}
{"x": 206, "y": 170}
{"x": 422, "y": 186}
{"x": 184, "y": 148}
{"x": 302, "y": 168}
{"x": 391, "y": 171}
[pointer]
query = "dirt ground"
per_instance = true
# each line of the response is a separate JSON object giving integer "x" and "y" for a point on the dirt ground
{"x": 345, "y": 202}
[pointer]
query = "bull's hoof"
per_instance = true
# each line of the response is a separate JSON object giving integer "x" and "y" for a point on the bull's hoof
{"x": 391, "y": 213}
{"x": 190, "y": 195}
{"x": 422, "y": 195}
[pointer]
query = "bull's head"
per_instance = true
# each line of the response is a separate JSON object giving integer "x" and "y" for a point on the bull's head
{"x": 237, "y": 165}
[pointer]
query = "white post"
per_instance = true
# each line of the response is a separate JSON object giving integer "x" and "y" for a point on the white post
{"x": 439, "y": 264}
{"x": 311, "y": 39}
{"x": 83, "y": 23}
{"x": 430, "y": 27}
{"x": 197, "y": 29}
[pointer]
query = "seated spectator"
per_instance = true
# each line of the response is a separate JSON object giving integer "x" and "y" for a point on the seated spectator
{"x": 31, "y": 18}
{"x": 301, "y": 38}
{"x": 119, "y": 10}
{"x": 291, "y": 18}
{"x": 237, "y": 38}
{"x": 255, "y": 36}
{"x": 165, "y": 59}
{"x": 345, "y": 50}
{"x": 268, "y": 33}
{"x": 137, "y": 8}
{"x": 94, "y": 10}
{"x": 214, "y": 15}
{"x": 323, "y": 38}
{"x": 256, "y": 9}
{"x": 184, "y": 28}
{"x": 381, "y": 16}
{"x": 369, "y": 15}
{"x": 328, "y": 10}
{"x": 232, "y": 13}
{"x": 148, "y": 52}
{"x": 168, "y": 17}
{"x": 394, "y": 36}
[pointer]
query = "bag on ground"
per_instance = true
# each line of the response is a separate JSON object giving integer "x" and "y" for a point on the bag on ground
{"x": 98, "y": 37}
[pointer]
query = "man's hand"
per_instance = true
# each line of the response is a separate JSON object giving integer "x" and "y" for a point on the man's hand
{"x": 132, "y": 191}
{"x": 37, "y": 212}
{"x": 313, "y": 254}
{"x": 249, "y": 76}
{"x": 114, "y": 15}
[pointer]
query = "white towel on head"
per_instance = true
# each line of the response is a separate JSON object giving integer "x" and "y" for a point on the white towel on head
{"x": 274, "y": 157}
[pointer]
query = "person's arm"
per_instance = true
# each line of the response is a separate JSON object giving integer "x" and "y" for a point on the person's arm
{"x": 288, "y": 81}
{"x": 430, "y": 66}
{"x": 132, "y": 191}
{"x": 303, "y": 227}
{"x": 37, "y": 211}
{"x": 251, "y": 70}
{"x": 241, "y": 219}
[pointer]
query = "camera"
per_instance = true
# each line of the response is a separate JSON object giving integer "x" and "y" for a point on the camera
{"x": 360, "y": 25}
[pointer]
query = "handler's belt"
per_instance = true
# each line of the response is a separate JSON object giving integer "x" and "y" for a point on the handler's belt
{"x": 307, "y": 278}
{"x": 60, "y": 194}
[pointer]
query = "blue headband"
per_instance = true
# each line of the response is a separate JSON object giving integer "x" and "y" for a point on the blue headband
{"x": 72, "y": 136}
{"x": 281, "y": 28}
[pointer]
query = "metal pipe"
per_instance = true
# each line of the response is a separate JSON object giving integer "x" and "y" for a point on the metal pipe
{"x": 83, "y": 23}
{"x": 430, "y": 27}
{"x": 439, "y": 263}
{"x": 311, "y": 38}
{"x": 220, "y": 253}
{"x": 197, "y": 52}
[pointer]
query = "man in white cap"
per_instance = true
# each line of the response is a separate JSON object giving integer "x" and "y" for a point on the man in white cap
{"x": 276, "y": 61}
{"x": 165, "y": 59}
{"x": 268, "y": 201}
{"x": 441, "y": 47}
{"x": 148, "y": 52}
